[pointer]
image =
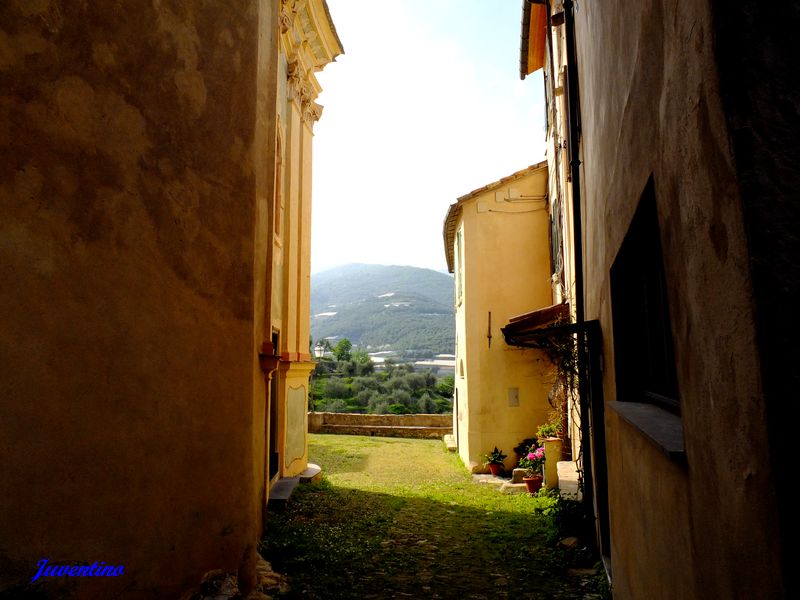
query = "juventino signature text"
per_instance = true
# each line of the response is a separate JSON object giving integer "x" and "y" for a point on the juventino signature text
{"x": 100, "y": 569}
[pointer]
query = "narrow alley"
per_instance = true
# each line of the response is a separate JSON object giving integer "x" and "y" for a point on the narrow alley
{"x": 611, "y": 189}
{"x": 401, "y": 518}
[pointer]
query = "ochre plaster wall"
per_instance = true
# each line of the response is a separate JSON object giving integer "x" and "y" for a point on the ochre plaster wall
{"x": 560, "y": 204}
{"x": 507, "y": 272}
{"x": 461, "y": 414}
{"x": 654, "y": 493}
{"x": 654, "y": 109}
{"x": 130, "y": 434}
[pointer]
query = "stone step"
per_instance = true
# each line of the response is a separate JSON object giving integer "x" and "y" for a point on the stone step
{"x": 567, "y": 484}
{"x": 514, "y": 488}
{"x": 568, "y": 479}
{"x": 312, "y": 474}
{"x": 280, "y": 493}
{"x": 488, "y": 479}
{"x": 517, "y": 475}
{"x": 450, "y": 442}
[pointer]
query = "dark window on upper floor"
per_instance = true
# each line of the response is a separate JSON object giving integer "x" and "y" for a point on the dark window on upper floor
{"x": 643, "y": 349}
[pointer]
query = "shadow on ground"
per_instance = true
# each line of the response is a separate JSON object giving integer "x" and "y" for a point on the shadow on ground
{"x": 336, "y": 542}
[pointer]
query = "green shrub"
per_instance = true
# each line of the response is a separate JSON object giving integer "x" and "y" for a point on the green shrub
{"x": 446, "y": 386}
{"x": 336, "y": 406}
{"x": 336, "y": 388}
{"x": 443, "y": 405}
{"x": 362, "y": 398}
{"x": 400, "y": 397}
{"x": 380, "y": 408}
{"x": 364, "y": 383}
{"x": 426, "y": 404}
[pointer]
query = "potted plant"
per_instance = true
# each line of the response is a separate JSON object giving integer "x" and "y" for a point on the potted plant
{"x": 551, "y": 429}
{"x": 533, "y": 463}
{"x": 494, "y": 460}
{"x": 547, "y": 430}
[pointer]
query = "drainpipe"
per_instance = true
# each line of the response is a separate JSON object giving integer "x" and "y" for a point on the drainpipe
{"x": 575, "y": 177}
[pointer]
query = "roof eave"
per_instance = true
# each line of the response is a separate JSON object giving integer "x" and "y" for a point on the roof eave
{"x": 532, "y": 37}
{"x": 449, "y": 234}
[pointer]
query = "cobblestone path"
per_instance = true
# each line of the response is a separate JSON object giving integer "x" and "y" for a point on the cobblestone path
{"x": 397, "y": 518}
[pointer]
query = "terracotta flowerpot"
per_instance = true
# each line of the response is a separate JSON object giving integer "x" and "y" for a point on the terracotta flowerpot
{"x": 534, "y": 483}
{"x": 495, "y": 468}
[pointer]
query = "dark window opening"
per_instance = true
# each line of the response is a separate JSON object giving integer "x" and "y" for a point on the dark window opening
{"x": 643, "y": 349}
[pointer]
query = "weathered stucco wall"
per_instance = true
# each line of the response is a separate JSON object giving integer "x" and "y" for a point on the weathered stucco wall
{"x": 655, "y": 109}
{"x": 127, "y": 220}
{"x": 756, "y": 50}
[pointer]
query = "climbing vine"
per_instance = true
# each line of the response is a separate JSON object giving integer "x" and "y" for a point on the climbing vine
{"x": 561, "y": 350}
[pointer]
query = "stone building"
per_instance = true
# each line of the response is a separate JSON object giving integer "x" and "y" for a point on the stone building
{"x": 154, "y": 224}
{"x": 673, "y": 149}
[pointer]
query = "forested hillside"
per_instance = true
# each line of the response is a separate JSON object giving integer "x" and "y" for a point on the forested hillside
{"x": 384, "y": 307}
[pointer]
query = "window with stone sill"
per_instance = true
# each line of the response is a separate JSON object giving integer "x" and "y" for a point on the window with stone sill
{"x": 643, "y": 348}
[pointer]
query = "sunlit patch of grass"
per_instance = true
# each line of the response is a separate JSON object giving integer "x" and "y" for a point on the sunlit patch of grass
{"x": 404, "y": 515}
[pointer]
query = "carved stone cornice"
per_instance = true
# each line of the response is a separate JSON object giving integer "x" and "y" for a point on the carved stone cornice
{"x": 300, "y": 90}
{"x": 297, "y": 86}
{"x": 311, "y": 112}
{"x": 288, "y": 12}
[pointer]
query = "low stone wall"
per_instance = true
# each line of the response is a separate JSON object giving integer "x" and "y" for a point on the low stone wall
{"x": 408, "y": 426}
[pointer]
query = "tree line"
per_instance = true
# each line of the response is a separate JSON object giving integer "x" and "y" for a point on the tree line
{"x": 350, "y": 382}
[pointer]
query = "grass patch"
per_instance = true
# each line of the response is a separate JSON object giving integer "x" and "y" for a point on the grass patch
{"x": 405, "y": 516}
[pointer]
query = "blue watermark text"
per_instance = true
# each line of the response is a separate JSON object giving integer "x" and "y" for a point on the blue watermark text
{"x": 100, "y": 569}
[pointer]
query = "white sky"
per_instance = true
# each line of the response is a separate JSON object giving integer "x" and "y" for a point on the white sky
{"x": 425, "y": 106}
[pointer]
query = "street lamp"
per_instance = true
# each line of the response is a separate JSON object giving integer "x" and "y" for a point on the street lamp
{"x": 319, "y": 351}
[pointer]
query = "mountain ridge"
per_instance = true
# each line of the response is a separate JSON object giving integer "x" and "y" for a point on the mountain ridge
{"x": 384, "y": 307}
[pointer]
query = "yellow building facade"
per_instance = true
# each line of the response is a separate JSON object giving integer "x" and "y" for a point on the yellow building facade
{"x": 496, "y": 244}
{"x": 307, "y": 42}
{"x": 154, "y": 264}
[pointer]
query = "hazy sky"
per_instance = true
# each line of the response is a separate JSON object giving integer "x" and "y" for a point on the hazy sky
{"x": 425, "y": 106}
